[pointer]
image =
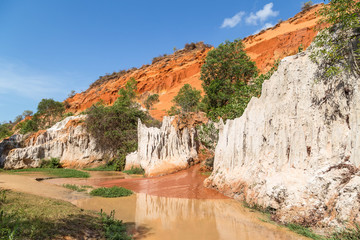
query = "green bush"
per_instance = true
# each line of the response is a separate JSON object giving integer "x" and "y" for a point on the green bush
{"x": 188, "y": 99}
{"x": 50, "y": 111}
{"x": 337, "y": 47}
{"x": 238, "y": 101}
{"x": 50, "y": 163}
{"x": 112, "y": 192}
{"x": 76, "y": 187}
{"x": 225, "y": 72}
{"x": 306, "y": 5}
{"x": 135, "y": 171}
{"x": 114, "y": 229}
{"x": 151, "y": 100}
{"x": 5, "y": 130}
{"x": 30, "y": 125}
{"x": 115, "y": 127}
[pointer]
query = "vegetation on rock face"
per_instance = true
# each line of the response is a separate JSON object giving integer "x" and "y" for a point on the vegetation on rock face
{"x": 115, "y": 127}
{"x": 111, "y": 192}
{"x": 5, "y": 130}
{"x": 306, "y": 5}
{"x": 151, "y": 100}
{"x": 187, "y": 100}
{"x": 338, "y": 45}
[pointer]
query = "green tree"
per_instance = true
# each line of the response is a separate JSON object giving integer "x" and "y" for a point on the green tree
{"x": 306, "y": 5}
{"x": 226, "y": 72}
{"x": 225, "y": 68}
{"x": 337, "y": 46}
{"x": 27, "y": 113}
{"x": 50, "y": 111}
{"x": 151, "y": 100}
{"x": 115, "y": 127}
{"x": 5, "y": 130}
{"x": 188, "y": 99}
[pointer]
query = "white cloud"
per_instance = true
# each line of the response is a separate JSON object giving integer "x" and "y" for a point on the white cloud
{"x": 19, "y": 79}
{"x": 266, "y": 26}
{"x": 262, "y": 15}
{"x": 232, "y": 22}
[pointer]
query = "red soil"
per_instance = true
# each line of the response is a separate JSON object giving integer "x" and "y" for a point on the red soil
{"x": 168, "y": 75}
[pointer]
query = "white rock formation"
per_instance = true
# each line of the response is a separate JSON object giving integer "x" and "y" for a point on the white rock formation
{"x": 165, "y": 150}
{"x": 66, "y": 140}
{"x": 296, "y": 149}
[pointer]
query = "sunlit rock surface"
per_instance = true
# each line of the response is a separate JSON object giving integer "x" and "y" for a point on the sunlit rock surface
{"x": 163, "y": 150}
{"x": 296, "y": 148}
{"x": 66, "y": 140}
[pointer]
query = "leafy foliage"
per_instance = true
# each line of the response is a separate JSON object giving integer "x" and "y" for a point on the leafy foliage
{"x": 226, "y": 70}
{"x": 114, "y": 229}
{"x": 238, "y": 102}
{"x": 30, "y": 125}
{"x": 306, "y": 5}
{"x": 115, "y": 127}
{"x": 50, "y": 111}
{"x": 51, "y": 163}
{"x": 188, "y": 99}
{"x": 135, "y": 171}
{"x": 111, "y": 192}
{"x": 151, "y": 100}
{"x": 338, "y": 44}
{"x": 5, "y": 130}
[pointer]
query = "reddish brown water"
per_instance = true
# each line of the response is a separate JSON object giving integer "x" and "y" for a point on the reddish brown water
{"x": 184, "y": 184}
{"x": 172, "y": 207}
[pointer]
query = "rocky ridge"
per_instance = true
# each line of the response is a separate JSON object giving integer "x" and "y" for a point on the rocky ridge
{"x": 164, "y": 150}
{"x": 66, "y": 140}
{"x": 295, "y": 150}
{"x": 169, "y": 73}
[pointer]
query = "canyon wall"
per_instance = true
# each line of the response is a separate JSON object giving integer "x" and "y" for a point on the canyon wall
{"x": 66, "y": 140}
{"x": 164, "y": 150}
{"x": 169, "y": 73}
{"x": 296, "y": 149}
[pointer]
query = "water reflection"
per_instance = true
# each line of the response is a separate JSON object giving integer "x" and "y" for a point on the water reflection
{"x": 179, "y": 218}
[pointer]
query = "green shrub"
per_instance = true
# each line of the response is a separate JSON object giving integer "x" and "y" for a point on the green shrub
{"x": 306, "y": 5}
{"x": 30, "y": 125}
{"x": 50, "y": 112}
{"x": 50, "y": 163}
{"x": 336, "y": 47}
{"x": 135, "y": 171}
{"x": 75, "y": 187}
{"x": 188, "y": 99}
{"x": 114, "y": 229}
{"x": 151, "y": 100}
{"x": 115, "y": 127}
{"x": 208, "y": 135}
{"x": 111, "y": 192}
{"x": 5, "y": 130}
{"x": 304, "y": 231}
{"x": 225, "y": 72}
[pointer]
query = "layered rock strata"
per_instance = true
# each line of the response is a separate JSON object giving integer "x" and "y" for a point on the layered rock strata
{"x": 296, "y": 149}
{"x": 163, "y": 150}
{"x": 66, "y": 140}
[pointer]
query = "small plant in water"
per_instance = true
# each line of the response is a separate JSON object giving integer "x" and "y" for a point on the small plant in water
{"x": 135, "y": 171}
{"x": 111, "y": 192}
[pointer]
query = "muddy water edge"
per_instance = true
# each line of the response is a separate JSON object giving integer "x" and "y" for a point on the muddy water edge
{"x": 158, "y": 211}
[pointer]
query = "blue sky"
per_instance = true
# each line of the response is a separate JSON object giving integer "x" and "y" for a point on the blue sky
{"x": 50, "y": 47}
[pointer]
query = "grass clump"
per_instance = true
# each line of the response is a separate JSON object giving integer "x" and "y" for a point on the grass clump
{"x": 106, "y": 167}
{"x": 114, "y": 229}
{"x": 135, "y": 171}
{"x": 56, "y": 172}
{"x": 26, "y": 216}
{"x": 111, "y": 192}
{"x": 76, "y": 187}
{"x": 347, "y": 234}
{"x": 51, "y": 163}
{"x": 304, "y": 231}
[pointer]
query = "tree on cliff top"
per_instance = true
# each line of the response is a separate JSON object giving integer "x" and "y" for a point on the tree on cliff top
{"x": 225, "y": 74}
{"x": 338, "y": 44}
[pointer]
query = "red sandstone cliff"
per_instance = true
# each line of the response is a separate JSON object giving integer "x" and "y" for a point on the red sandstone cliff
{"x": 169, "y": 74}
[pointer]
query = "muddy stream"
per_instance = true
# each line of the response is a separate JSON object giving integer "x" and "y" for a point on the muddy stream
{"x": 175, "y": 206}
